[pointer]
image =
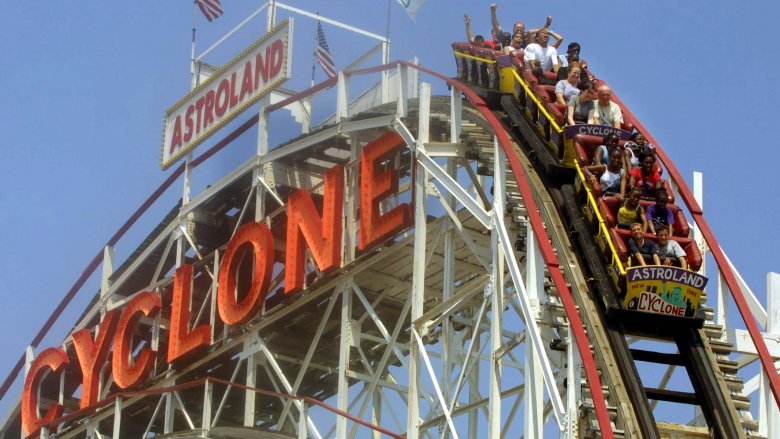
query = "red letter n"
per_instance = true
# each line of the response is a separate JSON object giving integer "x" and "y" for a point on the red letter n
{"x": 304, "y": 226}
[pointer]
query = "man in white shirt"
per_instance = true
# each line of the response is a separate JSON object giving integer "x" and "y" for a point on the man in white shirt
{"x": 607, "y": 112}
{"x": 540, "y": 55}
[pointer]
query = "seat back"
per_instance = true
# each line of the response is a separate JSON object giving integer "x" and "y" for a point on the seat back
{"x": 620, "y": 239}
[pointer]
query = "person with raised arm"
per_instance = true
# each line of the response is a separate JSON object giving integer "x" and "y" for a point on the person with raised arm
{"x": 479, "y": 40}
{"x": 541, "y": 57}
{"x": 520, "y": 27}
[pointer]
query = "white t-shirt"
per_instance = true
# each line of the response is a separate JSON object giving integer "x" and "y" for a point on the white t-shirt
{"x": 610, "y": 180}
{"x": 547, "y": 56}
{"x": 609, "y": 115}
{"x": 566, "y": 89}
{"x": 671, "y": 250}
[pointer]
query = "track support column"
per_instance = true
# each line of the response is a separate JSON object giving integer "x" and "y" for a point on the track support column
{"x": 418, "y": 277}
{"x": 497, "y": 299}
{"x": 345, "y": 345}
{"x": 534, "y": 380}
{"x": 768, "y": 414}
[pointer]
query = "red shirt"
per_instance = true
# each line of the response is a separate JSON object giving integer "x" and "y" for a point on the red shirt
{"x": 648, "y": 183}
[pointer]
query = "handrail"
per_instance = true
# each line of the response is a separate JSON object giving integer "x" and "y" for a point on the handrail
{"x": 601, "y": 221}
{"x": 720, "y": 259}
{"x": 476, "y": 58}
{"x": 200, "y": 381}
{"x": 548, "y": 254}
{"x": 539, "y": 103}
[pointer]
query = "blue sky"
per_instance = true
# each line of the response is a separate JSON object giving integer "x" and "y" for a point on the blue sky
{"x": 85, "y": 85}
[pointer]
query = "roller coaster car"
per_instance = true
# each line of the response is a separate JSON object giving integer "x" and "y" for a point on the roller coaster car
{"x": 608, "y": 207}
{"x": 658, "y": 299}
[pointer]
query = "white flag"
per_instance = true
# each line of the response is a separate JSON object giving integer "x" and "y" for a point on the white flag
{"x": 411, "y": 6}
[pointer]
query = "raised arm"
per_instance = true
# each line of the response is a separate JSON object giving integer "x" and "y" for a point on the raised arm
{"x": 592, "y": 172}
{"x": 558, "y": 39}
{"x": 469, "y": 34}
{"x": 494, "y": 19}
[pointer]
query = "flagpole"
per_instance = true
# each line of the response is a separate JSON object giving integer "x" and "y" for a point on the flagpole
{"x": 192, "y": 50}
{"x": 387, "y": 36}
{"x": 314, "y": 54}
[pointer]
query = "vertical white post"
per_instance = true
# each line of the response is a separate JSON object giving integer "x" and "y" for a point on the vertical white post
{"x": 302, "y": 430}
{"x": 108, "y": 269}
{"x": 345, "y": 344}
{"x": 497, "y": 297}
{"x": 698, "y": 195}
{"x": 386, "y": 73}
{"x": 185, "y": 196}
{"x": 251, "y": 381}
{"x": 342, "y": 97}
{"x": 29, "y": 356}
{"x": 768, "y": 413}
{"x": 402, "y": 106}
{"x": 266, "y": 172}
{"x": 169, "y": 413}
{"x": 208, "y": 393}
{"x": 352, "y": 184}
{"x": 534, "y": 380}
{"x": 271, "y": 18}
{"x": 418, "y": 277}
{"x": 376, "y": 413}
{"x": 115, "y": 434}
{"x": 573, "y": 373}
{"x": 447, "y": 339}
{"x": 722, "y": 307}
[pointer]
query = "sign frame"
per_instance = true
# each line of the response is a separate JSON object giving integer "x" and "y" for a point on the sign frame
{"x": 177, "y": 114}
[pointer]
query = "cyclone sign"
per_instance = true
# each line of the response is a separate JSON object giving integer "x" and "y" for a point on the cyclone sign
{"x": 663, "y": 290}
{"x": 252, "y": 74}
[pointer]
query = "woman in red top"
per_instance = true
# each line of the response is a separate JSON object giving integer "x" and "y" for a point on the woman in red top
{"x": 645, "y": 176}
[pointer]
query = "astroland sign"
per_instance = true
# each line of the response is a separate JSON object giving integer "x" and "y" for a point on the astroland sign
{"x": 252, "y": 74}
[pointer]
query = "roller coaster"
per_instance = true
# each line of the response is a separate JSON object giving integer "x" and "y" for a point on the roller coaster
{"x": 411, "y": 266}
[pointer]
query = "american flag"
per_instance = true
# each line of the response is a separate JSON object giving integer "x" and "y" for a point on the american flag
{"x": 212, "y": 9}
{"x": 323, "y": 53}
